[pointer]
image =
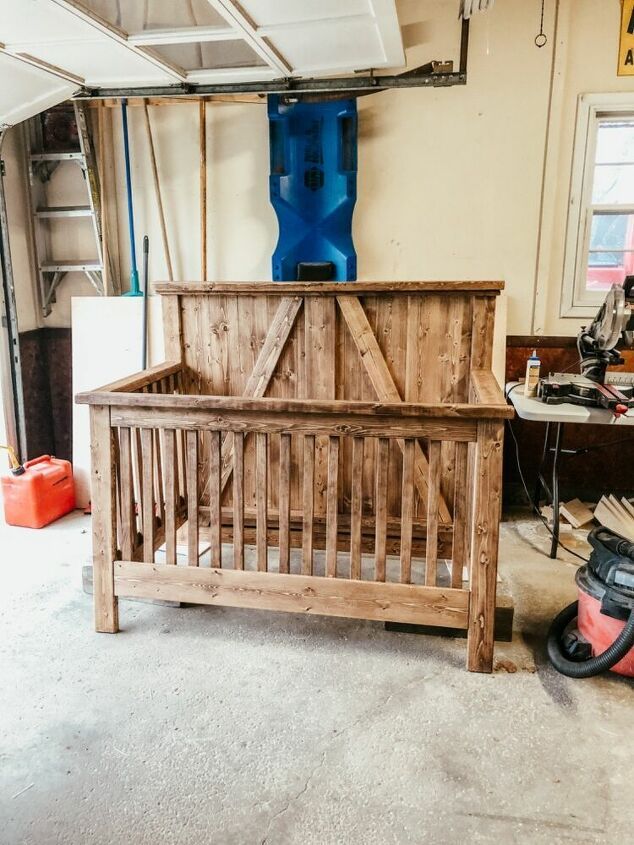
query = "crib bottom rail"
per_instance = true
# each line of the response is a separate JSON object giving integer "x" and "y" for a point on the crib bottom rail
{"x": 383, "y": 602}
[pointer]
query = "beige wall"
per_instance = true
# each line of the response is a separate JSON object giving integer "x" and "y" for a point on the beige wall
{"x": 585, "y": 63}
{"x": 450, "y": 181}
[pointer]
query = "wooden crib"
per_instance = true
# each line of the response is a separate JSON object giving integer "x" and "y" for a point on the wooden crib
{"x": 316, "y": 448}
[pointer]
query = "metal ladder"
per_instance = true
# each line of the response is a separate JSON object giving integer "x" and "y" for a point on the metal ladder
{"x": 42, "y": 164}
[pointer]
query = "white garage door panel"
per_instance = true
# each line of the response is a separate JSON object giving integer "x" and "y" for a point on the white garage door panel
{"x": 353, "y": 45}
{"x": 291, "y": 37}
{"x": 30, "y": 92}
{"x": 31, "y": 21}
{"x": 101, "y": 62}
{"x": 267, "y": 12}
{"x": 323, "y": 36}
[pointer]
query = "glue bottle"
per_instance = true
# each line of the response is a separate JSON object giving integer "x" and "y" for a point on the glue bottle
{"x": 532, "y": 375}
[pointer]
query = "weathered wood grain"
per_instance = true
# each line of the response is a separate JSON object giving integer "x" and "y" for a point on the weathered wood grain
{"x": 383, "y": 383}
{"x": 238, "y": 501}
{"x": 487, "y": 508}
{"x": 172, "y": 328}
{"x": 295, "y": 593}
{"x": 457, "y": 410}
{"x": 319, "y": 377}
{"x": 435, "y": 467}
{"x": 462, "y": 517}
{"x": 482, "y": 332}
{"x": 215, "y": 522}
{"x": 104, "y": 528}
{"x": 438, "y": 428}
{"x": 149, "y": 521}
{"x": 407, "y": 511}
{"x": 356, "y": 508}
{"x": 487, "y": 391}
{"x": 133, "y": 383}
{"x": 286, "y": 406}
{"x": 265, "y": 364}
{"x": 308, "y": 504}
{"x": 171, "y": 494}
{"x": 284, "y": 500}
{"x": 332, "y": 507}
{"x": 197, "y": 288}
{"x": 261, "y": 497}
{"x": 126, "y": 486}
{"x": 380, "y": 507}
{"x": 191, "y": 439}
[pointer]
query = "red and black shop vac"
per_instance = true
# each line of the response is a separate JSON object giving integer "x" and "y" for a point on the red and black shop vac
{"x": 602, "y": 639}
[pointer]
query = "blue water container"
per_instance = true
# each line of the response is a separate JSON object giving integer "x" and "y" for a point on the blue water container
{"x": 313, "y": 185}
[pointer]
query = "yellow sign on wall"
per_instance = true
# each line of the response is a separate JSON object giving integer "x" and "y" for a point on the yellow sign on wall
{"x": 626, "y": 46}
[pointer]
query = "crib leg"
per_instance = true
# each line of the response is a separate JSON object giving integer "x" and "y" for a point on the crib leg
{"x": 103, "y": 506}
{"x": 486, "y": 514}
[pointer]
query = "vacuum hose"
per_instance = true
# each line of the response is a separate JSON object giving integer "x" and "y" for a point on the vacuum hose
{"x": 595, "y": 665}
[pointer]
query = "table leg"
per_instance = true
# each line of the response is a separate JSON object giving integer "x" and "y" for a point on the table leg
{"x": 541, "y": 468}
{"x": 555, "y": 491}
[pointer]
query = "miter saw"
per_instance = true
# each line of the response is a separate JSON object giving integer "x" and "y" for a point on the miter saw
{"x": 597, "y": 350}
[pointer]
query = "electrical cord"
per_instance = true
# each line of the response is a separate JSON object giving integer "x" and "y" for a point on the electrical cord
{"x": 530, "y": 500}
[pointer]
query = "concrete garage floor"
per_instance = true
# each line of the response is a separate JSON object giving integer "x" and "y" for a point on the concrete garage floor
{"x": 204, "y": 725}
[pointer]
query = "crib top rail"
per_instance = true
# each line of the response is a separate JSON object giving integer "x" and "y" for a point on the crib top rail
{"x": 489, "y": 404}
{"x": 329, "y": 288}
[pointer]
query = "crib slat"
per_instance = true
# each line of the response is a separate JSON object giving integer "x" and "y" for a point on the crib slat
{"x": 214, "y": 500}
{"x": 407, "y": 510}
{"x": 433, "y": 496}
{"x": 308, "y": 504}
{"x": 182, "y": 463}
{"x": 460, "y": 516}
{"x": 158, "y": 475}
{"x": 380, "y": 507}
{"x": 261, "y": 494}
{"x": 356, "y": 507}
{"x": 331, "y": 507}
{"x": 285, "y": 501}
{"x": 169, "y": 452}
{"x": 138, "y": 463}
{"x": 116, "y": 455}
{"x": 128, "y": 517}
{"x": 192, "y": 497}
{"x": 238, "y": 501}
{"x": 147, "y": 451}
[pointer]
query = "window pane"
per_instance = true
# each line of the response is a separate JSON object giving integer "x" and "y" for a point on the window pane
{"x": 209, "y": 55}
{"x": 611, "y": 250}
{"x": 141, "y": 15}
{"x": 615, "y": 141}
{"x": 613, "y": 184}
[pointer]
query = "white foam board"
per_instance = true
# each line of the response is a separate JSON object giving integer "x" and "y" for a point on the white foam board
{"x": 106, "y": 347}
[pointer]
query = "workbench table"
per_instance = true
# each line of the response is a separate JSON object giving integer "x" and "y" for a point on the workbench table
{"x": 555, "y": 417}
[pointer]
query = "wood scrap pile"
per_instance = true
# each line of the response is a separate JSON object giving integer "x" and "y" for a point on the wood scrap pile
{"x": 616, "y": 515}
{"x": 574, "y": 513}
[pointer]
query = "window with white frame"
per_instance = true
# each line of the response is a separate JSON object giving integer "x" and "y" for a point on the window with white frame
{"x": 600, "y": 236}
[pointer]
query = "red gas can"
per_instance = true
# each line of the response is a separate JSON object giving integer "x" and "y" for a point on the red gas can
{"x": 43, "y": 493}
